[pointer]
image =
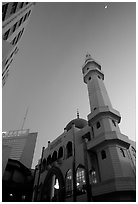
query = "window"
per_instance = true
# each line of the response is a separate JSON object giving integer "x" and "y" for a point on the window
{"x": 9, "y": 59}
{"x": 16, "y": 39}
{"x": 80, "y": 180}
{"x": 92, "y": 131}
{"x": 93, "y": 177}
{"x": 87, "y": 137}
{"x": 69, "y": 183}
{"x": 6, "y": 69}
{"x": 18, "y": 36}
{"x": 122, "y": 151}
{"x": 6, "y": 61}
{"x": 13, "y": 42}
{"x": 114, "y": 123}
{"x": 60, "y": 153}
{"x": 4, "y": 10}
{"x": 98, "y": 125}
{"x": 14, "y": 27}
{"x": 99, "y": 77}
{"x": 12, "y": 54}
{"x": 89, "y": 78}
{"x": 25, "y": 16}
{"x": 87, "y": 68}
{"x": 16, "y": 50}
{"x": 21, "y": 32}
{"x": 6, "y": 75}
{"x": 20, "y": 21}
{"x": 54, "y": 156}
{"x": 49, "y": 160}
{"x": 28, "y": 14}
{"x": 69, "y": 149}
{"x": 14, "y": 6}
{"x": 21, "y": 4}
{"x": 103, "y": 154}
{"x": 5, "y": 36}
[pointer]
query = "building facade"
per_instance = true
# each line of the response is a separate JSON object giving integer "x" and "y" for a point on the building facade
{"x": 15, "y": 17}
{"x": 17, "y": 155}
{"x": 92, "y": 160}
{"x": 21, "y": 144}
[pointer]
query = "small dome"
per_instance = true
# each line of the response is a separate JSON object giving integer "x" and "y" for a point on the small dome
{"x": 78, "y": 122}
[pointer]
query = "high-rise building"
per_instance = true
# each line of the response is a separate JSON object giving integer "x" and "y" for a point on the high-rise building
{"x": 21, "y": 144}
{"x": 17, "y": 154}
{"x": 92, "y": 160}
{"x": 15, "y": 17}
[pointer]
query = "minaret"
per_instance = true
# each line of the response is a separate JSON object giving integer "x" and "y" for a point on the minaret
{"x": 100, "y": 104}
{"x": 108, "y": 148}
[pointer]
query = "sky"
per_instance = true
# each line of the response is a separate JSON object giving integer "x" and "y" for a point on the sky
{"x": 46, "y": 74}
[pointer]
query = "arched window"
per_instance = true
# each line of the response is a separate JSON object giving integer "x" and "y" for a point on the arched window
{"x": 80, "y": 180}
{"x": 98, "y": 125}
{"x": 60, "y": 153}
{"x": 122, "y": 152}
{"x": 69, "y": 149}
{"x": 54, "y": 156}
{"x": 93, "y": 176}
{"x": 49, "y": 160}
{"x": 69, "y": 183}
{"x": 103, "y": 154}
{"x": 114, "y": 123}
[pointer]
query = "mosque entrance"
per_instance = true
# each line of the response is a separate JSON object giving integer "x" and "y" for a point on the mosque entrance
{"x": 53, "y": 190}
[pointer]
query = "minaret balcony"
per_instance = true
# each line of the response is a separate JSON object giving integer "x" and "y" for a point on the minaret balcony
{"x": 91, "y": 61}
{"x": 104, "y": 111}
{"x": 92, "y": 71}
{"x": 108, "y": 138}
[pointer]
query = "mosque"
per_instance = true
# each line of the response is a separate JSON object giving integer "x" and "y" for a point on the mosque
{"x": 91, "y": 160}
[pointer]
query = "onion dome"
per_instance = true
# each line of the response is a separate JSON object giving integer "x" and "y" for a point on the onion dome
{"x": 78, "y": 122}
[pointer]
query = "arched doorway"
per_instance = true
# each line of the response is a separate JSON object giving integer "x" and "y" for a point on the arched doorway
{"x": 54, "y": 188}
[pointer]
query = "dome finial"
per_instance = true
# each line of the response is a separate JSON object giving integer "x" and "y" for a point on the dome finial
{"x": 88, "y": 57}
{"x": 88, "y": 54}
{"x": 77, "y": 113}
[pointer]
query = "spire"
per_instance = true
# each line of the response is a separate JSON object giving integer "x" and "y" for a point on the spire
{"x": 88, "y": 57}
{"x": 77, "y": 113}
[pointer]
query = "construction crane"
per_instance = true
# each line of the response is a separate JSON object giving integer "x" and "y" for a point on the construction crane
{"x": 24, "y": 118}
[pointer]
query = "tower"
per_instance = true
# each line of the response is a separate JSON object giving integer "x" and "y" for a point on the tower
{"x": 15, "y": 16}
{"x": 108, "y": 149}
{"x": 91, "y": 159}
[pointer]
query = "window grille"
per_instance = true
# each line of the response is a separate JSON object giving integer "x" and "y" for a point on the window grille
{"x": 69, "y": 183}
